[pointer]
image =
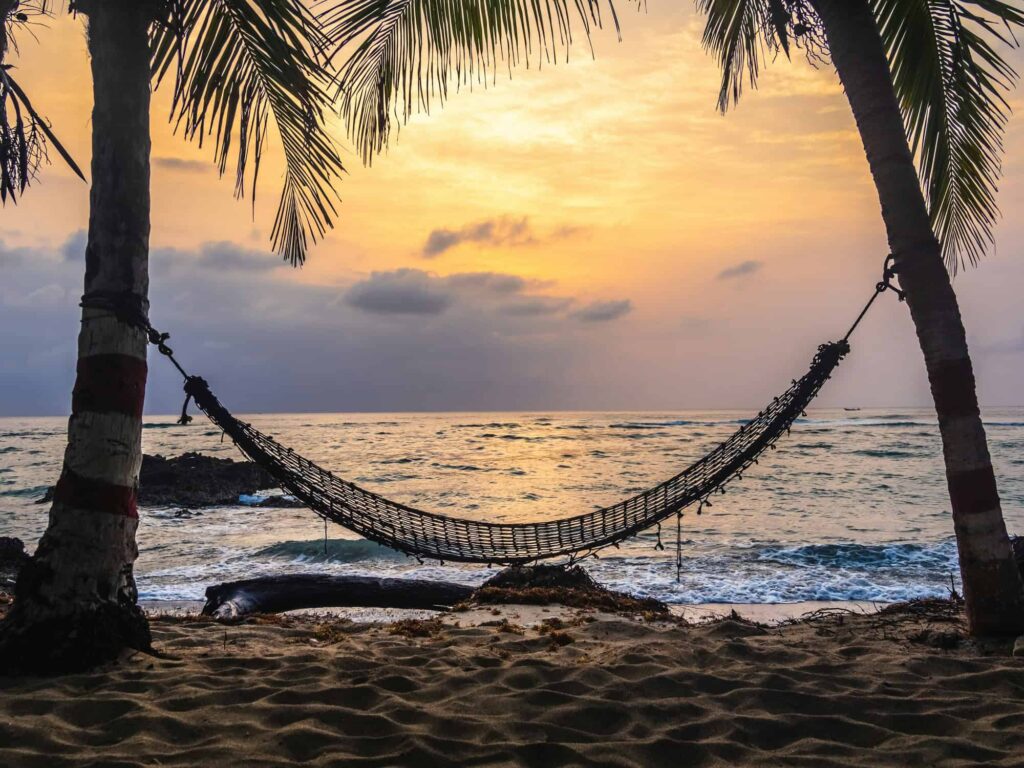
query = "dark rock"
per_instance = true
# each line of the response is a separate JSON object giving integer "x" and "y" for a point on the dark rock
{"x": 12, "y": 557}
{"x": 194, "y": 480}
{"x": 280, "y": 502}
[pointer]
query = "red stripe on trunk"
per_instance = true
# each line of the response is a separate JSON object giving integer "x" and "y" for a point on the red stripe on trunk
{"x": 973, "y": 491}
{"x": 110, "y": 384}
{"x": 95, "y": 495}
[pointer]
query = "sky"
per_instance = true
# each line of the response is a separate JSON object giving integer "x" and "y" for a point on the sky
{"x": 591, "y": 235}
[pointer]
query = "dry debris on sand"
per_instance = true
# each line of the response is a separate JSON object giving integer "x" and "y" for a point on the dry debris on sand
{"x": 837, "y": 689}
{"x": 556, "y": 584}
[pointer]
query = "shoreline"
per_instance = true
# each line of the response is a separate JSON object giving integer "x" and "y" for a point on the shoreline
{"x": 758, "y": 613}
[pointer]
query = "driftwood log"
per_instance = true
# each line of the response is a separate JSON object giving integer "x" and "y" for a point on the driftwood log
{"x": 274, "y": 594}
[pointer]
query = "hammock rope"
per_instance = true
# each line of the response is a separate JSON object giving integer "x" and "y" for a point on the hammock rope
{"x": 420, "y": 533}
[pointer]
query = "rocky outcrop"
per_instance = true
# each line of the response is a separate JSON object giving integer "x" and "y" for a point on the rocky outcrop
{"x": 195, "y": 480}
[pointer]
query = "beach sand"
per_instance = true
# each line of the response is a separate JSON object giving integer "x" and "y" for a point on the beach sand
{"x": 533, "y": 687}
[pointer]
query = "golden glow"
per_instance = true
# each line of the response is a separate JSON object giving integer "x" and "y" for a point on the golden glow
{"x": 632, "y": 184}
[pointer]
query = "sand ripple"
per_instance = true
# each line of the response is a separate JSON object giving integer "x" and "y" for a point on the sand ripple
{"x": 613, "y": 692}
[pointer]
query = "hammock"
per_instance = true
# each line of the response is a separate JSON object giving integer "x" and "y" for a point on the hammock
{"x": 429, "y": 534}
{"x": 420, "y": 533}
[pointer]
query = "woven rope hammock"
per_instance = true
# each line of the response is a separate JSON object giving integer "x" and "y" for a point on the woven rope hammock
{"x": 420, "y": 533}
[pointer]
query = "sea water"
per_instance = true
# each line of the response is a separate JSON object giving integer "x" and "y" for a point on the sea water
{"x": 852, "y": 505}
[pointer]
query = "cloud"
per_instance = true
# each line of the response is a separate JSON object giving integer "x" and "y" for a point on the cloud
{"x": 495, "y": 282}
{"x": 396, "y": 340}
{"x": 501, "y": 231}
{"x": 416, "y": 292}
{"x": 226, "y": 255}
{"x": 748, "y": 267}
{"x": 603, "y": 311}
{"x": 73, "y": 248}
{"x": 46, "y": 296}
{"x": 535, "y": 306}
{"x": 181, "y": 164}
{"x": 401, "y": 292}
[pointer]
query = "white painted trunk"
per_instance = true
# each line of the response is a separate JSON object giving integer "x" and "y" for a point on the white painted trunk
{"x": 75, "y": 601}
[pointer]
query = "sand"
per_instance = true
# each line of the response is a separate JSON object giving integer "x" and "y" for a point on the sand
{"x": 506, "y": 688}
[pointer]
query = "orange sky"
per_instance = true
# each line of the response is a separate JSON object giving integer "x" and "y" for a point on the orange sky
{"x": 738, "y": 241}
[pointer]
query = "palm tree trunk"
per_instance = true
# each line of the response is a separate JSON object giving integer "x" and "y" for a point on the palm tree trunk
{"x": 75, "y": 602}
{"x": 991, "y": 582}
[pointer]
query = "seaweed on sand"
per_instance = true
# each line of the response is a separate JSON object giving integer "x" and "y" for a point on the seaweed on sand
{"x": 570, "y": 586}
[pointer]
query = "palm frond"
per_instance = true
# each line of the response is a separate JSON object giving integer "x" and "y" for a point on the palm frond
{"x": 951, "y": 83}
{"x": 400, "y": 56}
{"x": 742, "y": 33}
{"x": 240, "y": 65}
{"x": 25, "y": 135}
{"x": 732, "y": 32}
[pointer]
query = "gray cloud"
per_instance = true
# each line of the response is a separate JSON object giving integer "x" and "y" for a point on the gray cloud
{"x": 748, "y": 267}
{"x": 495, "y": 282}
{"x": 73, "y": 249}
{"x": 402, "y": 292}
{"x": 225, "y": 255}
{"x": 416, "y": 292}
{"x": 535, "y": 306}
{"x": 268, "y": 344}
{"x": 181, "y": 164}
{"x": 603, "y": 311}
{"x": 500, "y": 231}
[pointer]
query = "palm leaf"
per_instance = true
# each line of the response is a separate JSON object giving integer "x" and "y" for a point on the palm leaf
{"x": 951, "y": 83}
{"x": 240, "y": 65}
{"x": 740, "y": 33}
{"x": 402, "y": 55}
{"x": 25, "y": 135}
{"x": 732, "y": 32}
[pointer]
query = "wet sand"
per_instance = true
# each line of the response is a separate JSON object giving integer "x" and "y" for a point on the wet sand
{"x": 533, "y": 687}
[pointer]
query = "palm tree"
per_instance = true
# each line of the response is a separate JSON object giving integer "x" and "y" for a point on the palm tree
{"x": 924, "y": 80}
{"x": 239, "y": 67}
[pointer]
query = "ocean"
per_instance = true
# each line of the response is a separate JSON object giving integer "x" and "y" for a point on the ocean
{"x": 852, "y": 505}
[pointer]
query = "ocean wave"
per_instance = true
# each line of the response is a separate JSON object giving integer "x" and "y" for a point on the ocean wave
{"x": 775, "y": 573}
{"x": 34, "y": 491}
{"x": 865, "y": 422}
{"x": 900, "y": 556}
{"x": 462, "y": 467}
{"x": 335, "y": 551}
{"x": 654, "y": 424}
{"x": 883, "y": 453}
{"x": 489, "y": 425}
